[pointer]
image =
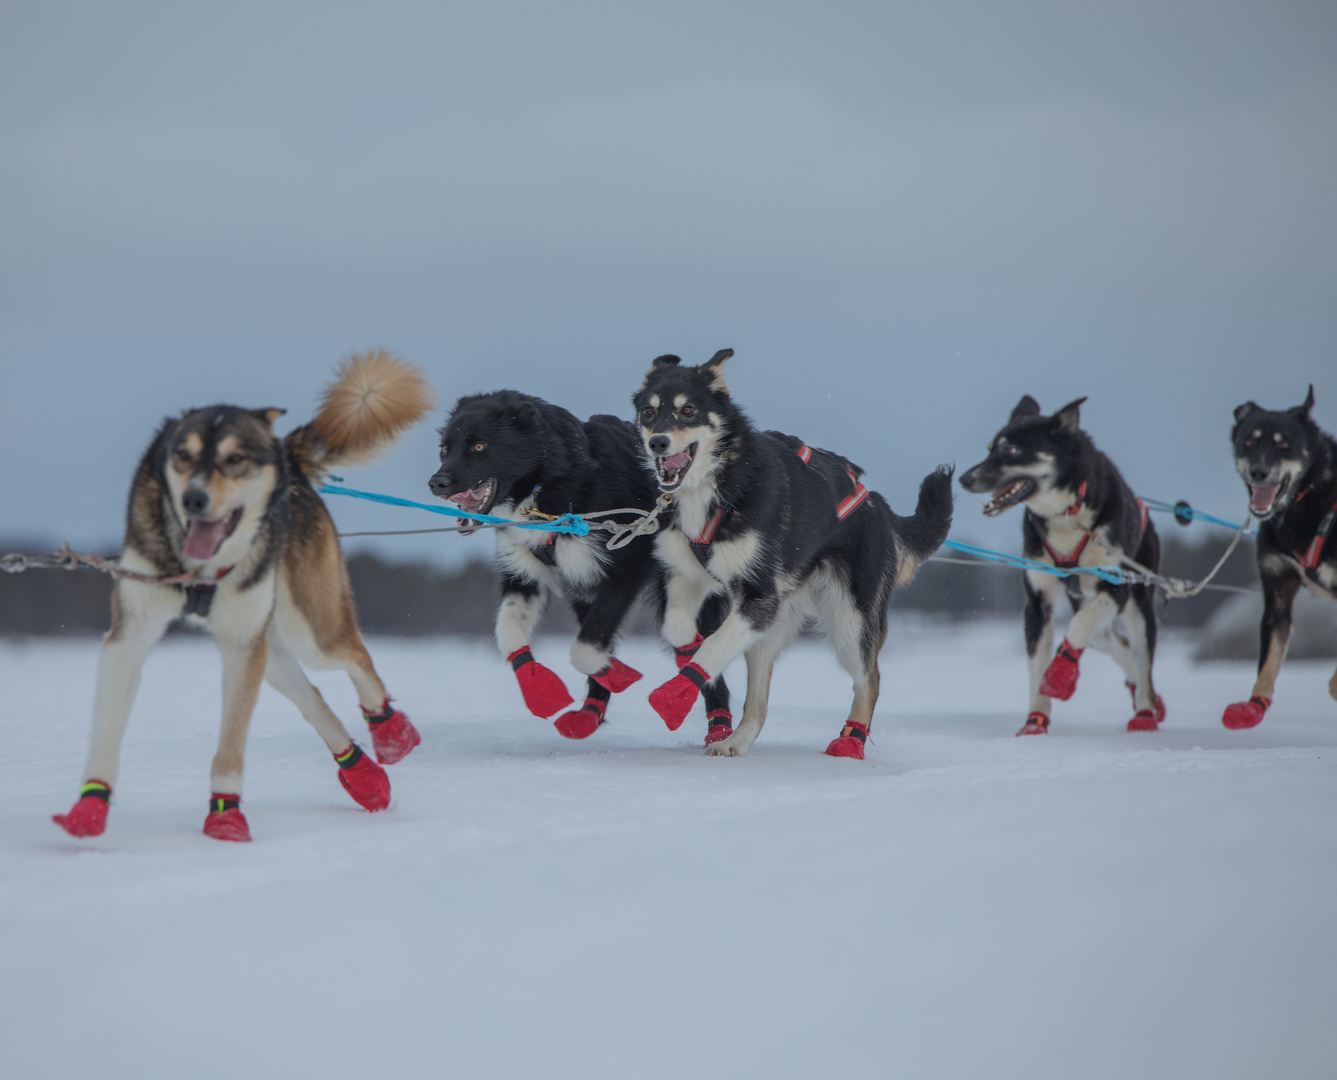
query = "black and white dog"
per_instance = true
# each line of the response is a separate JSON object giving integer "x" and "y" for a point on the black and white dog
{"x": 1290, "y": 467}
{"x": 1079, "y": 512}
{"x": 515, "y": 456}
{"x": 787, "y": 532}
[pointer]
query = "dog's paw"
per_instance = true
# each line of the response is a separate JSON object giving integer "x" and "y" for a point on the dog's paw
{"x": 543, "y": 690}
{"x": 228, "y": 824}
{"x": 88, "y": 817}
{"x": 1036, "y": 724}
{"x": 674, "y": 700}
{"x": 363, "y": 779}
{"x": 393, "y": 738}
{"x": 1060, "y": 678}
{"x": 1245, "y": 714}
{"x": 1144, "y": 720}
{"x": 580, "y": 723}
{"x": 730, "y": 747}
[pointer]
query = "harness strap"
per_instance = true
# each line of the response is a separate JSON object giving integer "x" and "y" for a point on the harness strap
{"x": 1314, "y": 553}
{"x": 1077, "y": 504}
{"x": 701, "y": 543}
{"x": 1067, "y": 562}
{"x": 200, "y": 597}
{"x": 851, "y": 502}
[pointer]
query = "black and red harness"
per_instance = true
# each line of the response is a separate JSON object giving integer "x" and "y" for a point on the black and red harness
{"x": 702, "y": 541}
{"x": 1070, "y": 560}
{"x": 1310, "y": 558}
{"x": 200, "y": 597}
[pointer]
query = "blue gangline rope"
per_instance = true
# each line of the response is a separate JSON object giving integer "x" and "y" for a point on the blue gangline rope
{"x": 578, "y": 526}
{"x": 567, "y": 523}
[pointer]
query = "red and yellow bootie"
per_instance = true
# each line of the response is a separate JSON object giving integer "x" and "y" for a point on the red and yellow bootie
{"x": 393, "y": 735}
{"x": 225, "y": 821}
{"x": 720, "y": 725}
{"x": 1036, "y": 724}
{"x": 88, "y": 816}
{"x": 363, "y": 779}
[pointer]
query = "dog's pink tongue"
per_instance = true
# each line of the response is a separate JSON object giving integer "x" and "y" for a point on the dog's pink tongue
{"x": 203, "y": 538}
{"x": 1261, "y": 498}
{"x": 677, "y": 462}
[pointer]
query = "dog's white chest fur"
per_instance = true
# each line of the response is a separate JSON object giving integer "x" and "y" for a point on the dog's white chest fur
{"x": 578, "y": 560}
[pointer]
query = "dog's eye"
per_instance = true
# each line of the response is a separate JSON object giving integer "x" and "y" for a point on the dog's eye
{"x": 234, "y": 459}
{"x": 183, "y": 454}
{"x": 445, "y": 449}
{"x": 1283, "y": 446}
{"x": 1007, "y": 450}
{"x": 687, "y": 411}
{"x": 478, "y": 447}
{"x": 648, "y": 413}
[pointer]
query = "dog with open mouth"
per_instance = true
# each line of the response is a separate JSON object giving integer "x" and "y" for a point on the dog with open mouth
{"x": 783, "y": 531}
{"x": 514, "y": 456}
{"x": 1079, "y": 512}
{"x": 226, "y": 512}
{"x": 1289, "y": 465}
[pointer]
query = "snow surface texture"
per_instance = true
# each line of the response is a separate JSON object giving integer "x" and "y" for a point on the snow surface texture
{"x": 962, "y": 904}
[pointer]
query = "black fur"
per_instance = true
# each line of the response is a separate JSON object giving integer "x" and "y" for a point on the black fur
{"x": 1270, "y": 446}
{"x": 541, "y": 455}
{"x": 767, "y": 492}
{"x": 1043, "y": 462}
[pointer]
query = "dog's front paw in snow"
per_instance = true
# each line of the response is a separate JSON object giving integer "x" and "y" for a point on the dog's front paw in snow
{"x": 730, "y": 747}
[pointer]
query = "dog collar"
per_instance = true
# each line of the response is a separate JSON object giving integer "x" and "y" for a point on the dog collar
{"x": 1077, "y": 503}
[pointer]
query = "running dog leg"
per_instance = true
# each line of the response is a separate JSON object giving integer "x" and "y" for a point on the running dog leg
{"x": 1280, "y": 584}
{"x": 1060, "y": 677}
{"x": 1140, "y": 615}
{"x": 592, "y": 654}
{"x": 685, "y": 595}
{"x": 243, "y": 670}
{"x": 522, "y": 602}
{"x": 1039, "y": 625}
{"x": 674, "y": 700}
{"x": 362, "y": 778}
{"x": 393, "y": 735}
{"x": 139, "y": 615}
{"x": 761, "y": 657}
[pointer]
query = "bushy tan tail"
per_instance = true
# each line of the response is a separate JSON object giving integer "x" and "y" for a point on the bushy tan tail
{"x": 374, "y": 397}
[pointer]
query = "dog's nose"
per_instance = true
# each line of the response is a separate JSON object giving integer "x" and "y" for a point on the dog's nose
{"x": 195, "y": 502}
{"x": 659, "y": 445}
{"x": 440, "y": 485}
{"x": 1258, "y": 473}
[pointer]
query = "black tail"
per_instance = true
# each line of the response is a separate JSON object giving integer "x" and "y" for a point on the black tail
{"x": 921, "y": 535}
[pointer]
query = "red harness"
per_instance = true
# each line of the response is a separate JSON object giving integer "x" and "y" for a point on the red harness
{"x": 1313, "y": 554}
{"x": 851, "y": 502}
{"x": 1067, "y": 562}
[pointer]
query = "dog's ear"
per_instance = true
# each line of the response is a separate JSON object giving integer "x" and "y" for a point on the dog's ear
{"x": 667, "y": 360}
{"x": 268, "y": 416}
{"x": 526, "y": 417}
{"x": 1302, "y": 411}
{"x": 1027, "y": 406}
{"x": 714, "y": 367}
{"x": 1069, "y": 417}
{"x": 1241, "y": 411}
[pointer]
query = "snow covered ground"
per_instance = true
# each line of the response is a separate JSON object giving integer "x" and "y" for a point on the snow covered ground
{"x": 961, "y": 904}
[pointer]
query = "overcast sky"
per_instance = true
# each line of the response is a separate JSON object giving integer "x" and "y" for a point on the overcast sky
{"x": 901, "y": 217}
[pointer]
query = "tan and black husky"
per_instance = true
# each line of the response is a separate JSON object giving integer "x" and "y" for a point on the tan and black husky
{"x": 225, "y": 529}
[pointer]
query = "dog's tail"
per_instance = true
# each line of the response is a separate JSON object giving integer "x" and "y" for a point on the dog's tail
{"x": 919, "y": 536}
{"x": 374, "y": 397}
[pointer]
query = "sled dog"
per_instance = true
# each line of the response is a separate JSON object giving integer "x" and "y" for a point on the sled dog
{"x": 785, "y": 531}
{"x": 1079, "y": 512}
{"x": 510, "y": 455}
{"x": 227, "y": 512}
{"x": 1290, "y": 468}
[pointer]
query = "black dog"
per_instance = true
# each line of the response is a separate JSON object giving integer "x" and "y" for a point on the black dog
{"x": 514, "y": 456}
{"x": 785, "y": 531}
{"x": 1290, "y": 467}
{"x": 1079, "y": 512}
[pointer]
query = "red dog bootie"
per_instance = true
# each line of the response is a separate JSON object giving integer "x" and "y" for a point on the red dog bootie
{"x": 721, "y": 725}
{"x": 850, "y": 743}
{"x": 1158, "y": 708}
{"x": 674, "y": 700}
{"x": 225, "y": 821}
{"x": 683, "y": 653}
{"x": 1144, "y": 720}
{"x": 583, "y": 722}
{"x": 393, "y": 736}
{"x": 363, "y": 779}
{"x": 1060, "y": 679}
{"x": 543, "y": 691}
{"x": 1036, "y": 724}
{"x": 617, "y": 676}
{"x": 88, "y": 816}
{"x": 1245, "y": 714}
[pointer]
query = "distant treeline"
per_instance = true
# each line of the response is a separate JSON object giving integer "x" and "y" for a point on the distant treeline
{"x": 418, "y": 598}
